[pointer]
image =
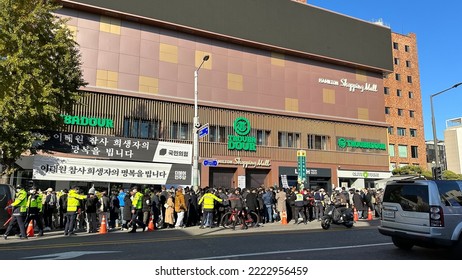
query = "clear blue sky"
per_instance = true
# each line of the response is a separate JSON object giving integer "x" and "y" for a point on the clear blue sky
{"x": 438, "y": 27}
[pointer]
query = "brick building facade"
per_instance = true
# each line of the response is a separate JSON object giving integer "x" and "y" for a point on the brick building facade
{"x": 403, "y": 105}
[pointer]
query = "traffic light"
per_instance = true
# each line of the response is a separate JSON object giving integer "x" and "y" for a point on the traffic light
{"x": 437, "y": 173}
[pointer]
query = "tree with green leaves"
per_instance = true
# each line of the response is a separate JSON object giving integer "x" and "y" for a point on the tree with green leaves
{"x": 40, "y": 74}
{"x": 407, "y": 170}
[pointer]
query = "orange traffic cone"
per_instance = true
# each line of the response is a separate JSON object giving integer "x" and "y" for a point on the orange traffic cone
{"x": 151, "y": 226}
{"x": 103, "y": 227}
{"x": 284, "y": 218}
{"x": 369, "y": 214}
{"x": 355, "y": 214}
{"x": 30, "y": 229}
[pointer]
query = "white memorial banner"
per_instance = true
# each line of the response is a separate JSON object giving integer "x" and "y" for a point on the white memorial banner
{"x": 76, "y": 169}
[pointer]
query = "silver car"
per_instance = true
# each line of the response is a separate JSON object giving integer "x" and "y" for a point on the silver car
{"x": 424, "y": 213}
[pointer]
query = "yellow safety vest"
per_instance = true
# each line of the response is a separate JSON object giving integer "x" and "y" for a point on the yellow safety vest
{"x": 73, "y": 200}
{"x": 208, "y": 200}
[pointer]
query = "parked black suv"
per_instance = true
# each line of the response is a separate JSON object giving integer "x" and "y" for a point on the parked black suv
{"x": 6, "y": 198}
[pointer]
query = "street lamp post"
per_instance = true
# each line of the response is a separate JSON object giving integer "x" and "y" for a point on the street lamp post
{"x": 197, "y": 125}
{"x": 435, "y": 139}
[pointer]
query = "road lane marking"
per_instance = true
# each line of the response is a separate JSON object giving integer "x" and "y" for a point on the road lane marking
{"x": 295, "y": 251}
{"x": 67, "y": 255}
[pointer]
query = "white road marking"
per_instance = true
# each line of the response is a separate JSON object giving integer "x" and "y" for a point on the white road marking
{"x": 295, "y": 251}
{"x": 69, "y": 255}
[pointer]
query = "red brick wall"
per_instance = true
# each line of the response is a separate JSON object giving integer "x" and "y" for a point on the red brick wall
{"x": 405, "y": 103}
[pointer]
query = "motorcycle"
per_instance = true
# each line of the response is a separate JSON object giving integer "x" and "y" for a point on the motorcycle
{"x": 337, "y": 216}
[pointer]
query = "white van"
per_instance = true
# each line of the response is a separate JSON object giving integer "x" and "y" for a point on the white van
{"x": 424, "y": 213}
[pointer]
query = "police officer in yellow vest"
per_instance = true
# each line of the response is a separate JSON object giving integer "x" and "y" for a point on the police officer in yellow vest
{"x": 299, "y": 204}
{"x": 137, "y": 210}
{"x": 19, "y": 212}
{"x": 208, "y": 200}
{"x": 73, "y": 202}
{"x": 34, "y": 209}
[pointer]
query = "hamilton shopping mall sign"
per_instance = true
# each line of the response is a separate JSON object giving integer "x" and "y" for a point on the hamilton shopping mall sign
{"x": 241, "y": 141}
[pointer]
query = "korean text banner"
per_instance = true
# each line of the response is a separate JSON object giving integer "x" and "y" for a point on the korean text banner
{"x": 73, "y": 169}
{"x": 120, "y": 148}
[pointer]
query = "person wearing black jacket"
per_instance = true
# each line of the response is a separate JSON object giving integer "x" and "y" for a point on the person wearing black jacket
{"x": 114, "y": 208}
{"x": 91, "y": 205}
{"x": 251, "y": 201}
{"x": 146, "y": 208}
{"x": 127, "y": 214}
{"x": 63, "y": 208}
{"x": 155, "y": 208}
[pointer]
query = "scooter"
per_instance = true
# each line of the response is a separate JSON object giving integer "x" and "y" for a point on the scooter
{"x": 337, "y": 216}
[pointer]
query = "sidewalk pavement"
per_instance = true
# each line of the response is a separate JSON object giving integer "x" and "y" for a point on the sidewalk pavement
{"x": 196, "y": 231}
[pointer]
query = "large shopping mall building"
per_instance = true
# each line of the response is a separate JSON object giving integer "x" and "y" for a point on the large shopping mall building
{"x": 281, "y": 77}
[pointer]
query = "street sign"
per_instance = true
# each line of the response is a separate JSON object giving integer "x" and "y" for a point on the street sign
{"x": 301, "y": 167}
{"x": 203, "y": 130}
{"x": 210, "y": 162}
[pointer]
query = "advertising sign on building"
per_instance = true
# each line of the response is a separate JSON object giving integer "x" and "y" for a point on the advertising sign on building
{"x": 90, "y": 170}
{"x": 111, "y": 147}
{"x": 241, "y": 141}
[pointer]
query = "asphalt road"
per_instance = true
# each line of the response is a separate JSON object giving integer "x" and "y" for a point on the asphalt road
{"x": 269, "y": 242}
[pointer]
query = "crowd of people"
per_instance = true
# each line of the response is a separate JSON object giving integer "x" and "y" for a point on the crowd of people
{"x": 74, "y": 211}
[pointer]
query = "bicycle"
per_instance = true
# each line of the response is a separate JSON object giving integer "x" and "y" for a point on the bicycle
{"x": 235, "y": 217}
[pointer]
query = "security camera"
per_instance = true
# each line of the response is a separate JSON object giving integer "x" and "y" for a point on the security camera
{"x": 197, "y": 125}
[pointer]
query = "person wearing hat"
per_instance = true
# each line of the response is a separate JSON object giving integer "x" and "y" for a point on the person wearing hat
{"x": 34, "y": 209}
{"x": 19, "y": 206}
{"x": 73, "y": 202}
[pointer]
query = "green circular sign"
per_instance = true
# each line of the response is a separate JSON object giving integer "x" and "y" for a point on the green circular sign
{"x": 342, "y": 143}
{"x": 242, "y": 126}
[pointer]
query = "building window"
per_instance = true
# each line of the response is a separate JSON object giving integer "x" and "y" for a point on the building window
{"x": 263, "y": 137}
{"x": 411, "y": 113}
{"x": 318, "y": 142}
{"x": 413, "y": 132}
{"x": 180, "y": 131}
{"x": 395, "y": 46}
{"x": 411, "y": 94}
{"x": 407, "y": 48}
{"x": 409, "y": 79}
{"x": 217, "y": 134}
{"x": 387, "y": 110}
{"x": 386, "y": 90}
{"x": 408, "y": 63}
{"x": 414, "y": 152}
{"x": 396, "y": 60}
{"x": 402, "y": 151}
{"x": 401, "y": 131}
{"x": 390, "y": 130}
{"x": 397, "y": 77}
{"x": 289, "y": 139}
{"x": 400, "y": 112}
{"x": 391, "y": 150}
{"x": 399, "y": 93}
{"x": 146, "y": 129}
